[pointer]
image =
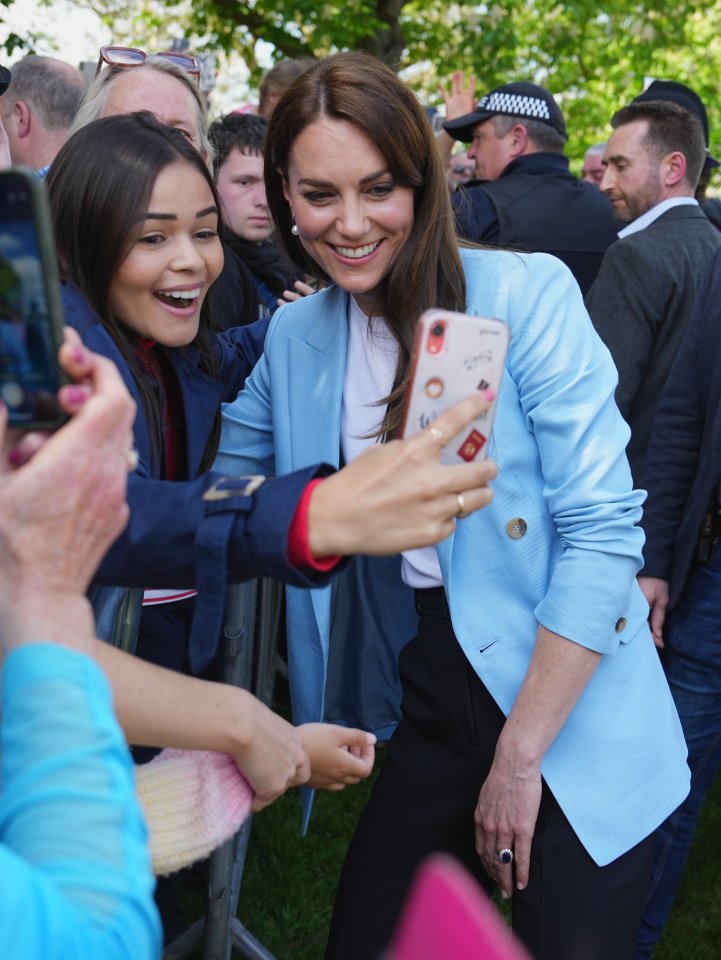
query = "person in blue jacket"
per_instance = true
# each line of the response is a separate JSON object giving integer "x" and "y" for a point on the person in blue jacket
{"x": 538, "y": 741}
{"x": 178, "y": 378}
{"x": 74, "y": 863}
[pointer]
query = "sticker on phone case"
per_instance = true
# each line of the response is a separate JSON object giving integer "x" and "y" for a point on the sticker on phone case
{"x": 434, "y": 388}
{"x": 472, "y": 445}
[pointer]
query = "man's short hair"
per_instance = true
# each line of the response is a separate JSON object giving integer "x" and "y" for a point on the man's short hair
{"x": 280, "y": 76}
{"x": 671, "y": 129}
{"x": 243, "y": 131}
{"x": 49, "y": 86}
{"x": 596, "y": 149}
{"x": 544, "y": 136}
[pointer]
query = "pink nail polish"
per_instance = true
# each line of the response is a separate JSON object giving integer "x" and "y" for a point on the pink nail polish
{"x": 489, "y": 394}
{"x": 78, "y": 394}
{"x": 15, "y": 457}
{"x": 78, "y": 354}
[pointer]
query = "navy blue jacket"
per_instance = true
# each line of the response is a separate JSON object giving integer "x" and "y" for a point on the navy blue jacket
{"x": 161, "y": 545}
{"x": 683, "y": 463}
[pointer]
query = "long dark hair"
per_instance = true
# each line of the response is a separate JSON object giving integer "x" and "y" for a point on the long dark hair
{"x": 100, "y": 185}
{"x": 359, "y": 89}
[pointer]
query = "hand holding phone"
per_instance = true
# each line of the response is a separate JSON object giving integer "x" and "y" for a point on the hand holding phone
{"x": 455, "y": 354}
{"x": 30, "y": 310}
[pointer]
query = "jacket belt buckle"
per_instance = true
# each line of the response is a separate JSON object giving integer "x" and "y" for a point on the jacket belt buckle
{"x": 228, "y": 487}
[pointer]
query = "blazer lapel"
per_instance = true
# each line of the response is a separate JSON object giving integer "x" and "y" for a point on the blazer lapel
{"x": 316, "y": 366}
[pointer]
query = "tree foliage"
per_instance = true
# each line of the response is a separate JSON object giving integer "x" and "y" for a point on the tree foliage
{"x": 593, "y": 56}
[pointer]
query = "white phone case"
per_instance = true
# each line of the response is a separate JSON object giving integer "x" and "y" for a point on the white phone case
{"x": 455, "y": 354}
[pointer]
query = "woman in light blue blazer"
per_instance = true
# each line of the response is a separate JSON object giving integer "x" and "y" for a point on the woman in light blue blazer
{"x": 538, "y": 741}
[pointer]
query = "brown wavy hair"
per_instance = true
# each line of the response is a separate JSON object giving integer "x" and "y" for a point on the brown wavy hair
{"x": 360, "y": 90}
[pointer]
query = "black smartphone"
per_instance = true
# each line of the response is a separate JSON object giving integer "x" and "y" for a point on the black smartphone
{"x": 31, "y": 317}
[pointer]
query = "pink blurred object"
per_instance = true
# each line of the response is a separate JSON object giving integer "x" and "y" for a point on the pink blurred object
{"x": 448, "y": 916}
{"x": 193, "y": 800}
{"x": 246, "y": 108}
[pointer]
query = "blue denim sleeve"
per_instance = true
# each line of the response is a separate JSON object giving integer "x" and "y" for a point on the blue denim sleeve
{"x": 74, "y": 863}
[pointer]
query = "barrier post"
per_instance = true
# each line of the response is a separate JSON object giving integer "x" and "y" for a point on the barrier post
{"x": 220, "y": 930}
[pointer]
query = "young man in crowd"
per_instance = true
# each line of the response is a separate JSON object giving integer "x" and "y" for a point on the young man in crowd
{"x": 238, "y": 141}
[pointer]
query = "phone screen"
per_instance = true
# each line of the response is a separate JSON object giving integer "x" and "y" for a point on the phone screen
{"x": 29, "y": 320}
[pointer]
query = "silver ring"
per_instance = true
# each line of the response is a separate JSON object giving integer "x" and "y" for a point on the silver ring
{"x": 132, "y": 458}
{"x": 438, "y": 436}
{"x": 505, "y": 856}
{"x": 461, "y": 512}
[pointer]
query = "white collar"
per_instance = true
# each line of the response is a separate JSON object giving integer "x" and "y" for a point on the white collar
{"x": 647, "y": 218}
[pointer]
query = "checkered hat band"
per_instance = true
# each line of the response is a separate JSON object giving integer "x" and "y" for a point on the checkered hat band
{"x": 512, "y": 103}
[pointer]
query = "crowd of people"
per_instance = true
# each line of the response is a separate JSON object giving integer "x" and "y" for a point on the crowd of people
{"x": 241, "y": 299}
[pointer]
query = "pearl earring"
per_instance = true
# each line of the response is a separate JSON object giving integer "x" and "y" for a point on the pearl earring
{"x": 294, "y": 230}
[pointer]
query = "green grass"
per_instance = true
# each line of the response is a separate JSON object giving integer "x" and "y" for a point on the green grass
{"x": 288, "y": 887}
{"x": 694, "y": 928}
{"x": 289, "y": 884}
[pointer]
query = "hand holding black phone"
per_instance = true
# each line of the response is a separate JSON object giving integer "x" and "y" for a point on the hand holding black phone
{"x": 31, "y": 319}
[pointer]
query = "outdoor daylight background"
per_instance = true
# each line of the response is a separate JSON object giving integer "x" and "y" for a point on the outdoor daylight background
{"x": 592, "y": 56}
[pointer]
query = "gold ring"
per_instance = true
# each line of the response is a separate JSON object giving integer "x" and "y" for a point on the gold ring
{"x": 461, "y": 505}
{"x": 438, "y": 436}
{"x": 132, "y": 458}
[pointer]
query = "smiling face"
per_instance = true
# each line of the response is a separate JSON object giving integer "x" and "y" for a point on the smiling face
{"x": 631, "y": 179}
{"x": 352, "y": 217}
{"x": 176, "y": 255}
{"x": 242, "y": 189}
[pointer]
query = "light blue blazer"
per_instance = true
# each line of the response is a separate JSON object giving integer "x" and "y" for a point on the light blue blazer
{"x": 617, "y": 767}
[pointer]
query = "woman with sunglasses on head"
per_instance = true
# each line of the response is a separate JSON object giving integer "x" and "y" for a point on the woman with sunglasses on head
{"x": 136, "y": 225}
{"x": 167, "y": 85}
{"x": 128, "y": 80}
{"x": 538, "y": 741}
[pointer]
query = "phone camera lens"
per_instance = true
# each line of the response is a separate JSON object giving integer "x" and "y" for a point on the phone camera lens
{"x": 437, "y": 330}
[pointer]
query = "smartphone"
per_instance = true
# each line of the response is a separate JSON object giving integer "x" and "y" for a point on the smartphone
{"x": 453, "y": 355}
{"x": 31, "y": 317}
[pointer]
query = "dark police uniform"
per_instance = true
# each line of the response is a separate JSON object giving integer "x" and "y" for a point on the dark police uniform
{"x": 538, "y": 205}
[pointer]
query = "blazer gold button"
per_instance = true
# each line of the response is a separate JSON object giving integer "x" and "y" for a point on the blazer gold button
{"x": 516, "y": 528}
{"x": 621, "y": 624}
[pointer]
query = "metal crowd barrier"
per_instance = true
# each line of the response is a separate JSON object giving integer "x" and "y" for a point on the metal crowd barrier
{"x": 250, "y": 639}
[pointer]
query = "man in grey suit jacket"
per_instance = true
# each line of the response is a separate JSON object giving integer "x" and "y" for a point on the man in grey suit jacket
{"x": 642, "y": 297}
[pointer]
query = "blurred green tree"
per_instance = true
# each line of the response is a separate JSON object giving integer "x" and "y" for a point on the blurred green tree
{"x": 595, "y": 56}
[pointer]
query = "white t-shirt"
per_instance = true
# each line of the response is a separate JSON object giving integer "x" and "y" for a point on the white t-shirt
{"x": 369, "y": 371}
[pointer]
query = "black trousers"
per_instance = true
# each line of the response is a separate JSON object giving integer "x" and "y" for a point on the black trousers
{"x": 424, "y": 800}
